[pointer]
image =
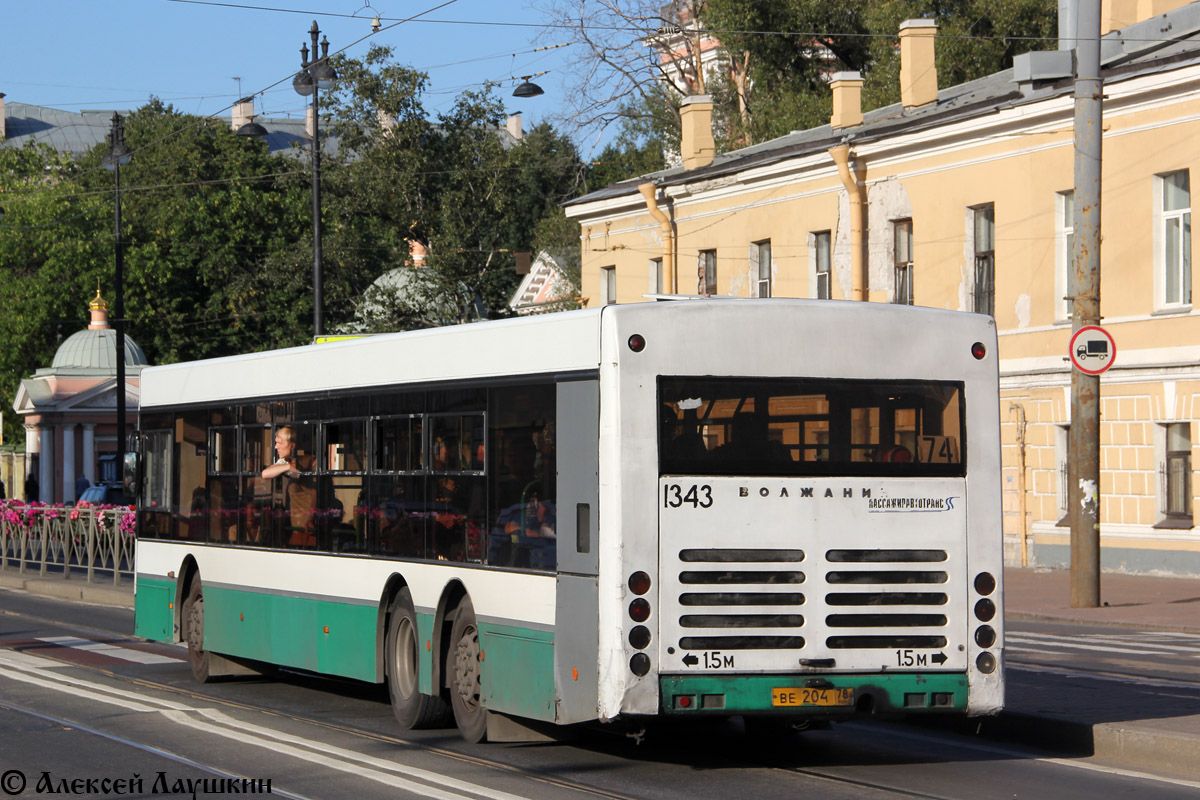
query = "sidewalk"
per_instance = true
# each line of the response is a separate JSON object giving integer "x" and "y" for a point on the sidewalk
{"x": 1160, "y": 739}
{"x": 1078, "y": 720}
{"x": 76, "y": 588}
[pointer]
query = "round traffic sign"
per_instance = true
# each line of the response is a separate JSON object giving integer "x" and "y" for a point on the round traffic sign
{"x": 1092, "y": 350}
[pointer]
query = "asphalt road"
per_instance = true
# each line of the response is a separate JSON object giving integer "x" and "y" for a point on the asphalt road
{"x": 81, "y": 700}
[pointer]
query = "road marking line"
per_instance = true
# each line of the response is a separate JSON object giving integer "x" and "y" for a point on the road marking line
{"x": 352, "y": 755}
{"x": 1111, "y": 640}
{"x": 111, "y": 650}
{"x": 312, "y": 756}
{"x": 21, "y": 669}
{"x": 29, "y": 669}
{"x": 1104, "y": 648}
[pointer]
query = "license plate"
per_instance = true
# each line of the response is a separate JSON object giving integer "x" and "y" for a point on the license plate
{"x": 791, "y": 697}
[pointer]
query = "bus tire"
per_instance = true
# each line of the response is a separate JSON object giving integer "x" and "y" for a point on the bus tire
{"x": 412, "y": 708}
{"x": 466, "y": 675}
{"x": 193, "y": 632}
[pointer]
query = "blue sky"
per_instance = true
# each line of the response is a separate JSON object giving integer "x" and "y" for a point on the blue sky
{"x": 115, "y": 54}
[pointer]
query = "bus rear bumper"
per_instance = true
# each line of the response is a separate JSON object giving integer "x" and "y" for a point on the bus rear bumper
{"x": 823, "y": 696}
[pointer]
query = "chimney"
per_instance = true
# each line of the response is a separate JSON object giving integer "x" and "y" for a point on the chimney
{"x": 847, "y": 99}
{"x": 243, "y": 112}
{"x": 697, "y": 147}
{"x": 3, "y": 134}
{"x": 514, "y": 127}
{"x": 918, "y": 73}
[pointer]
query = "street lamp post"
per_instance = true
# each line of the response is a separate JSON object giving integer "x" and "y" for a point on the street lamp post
{"x": 314, "y": 76}
{"x": 118, "y": 154}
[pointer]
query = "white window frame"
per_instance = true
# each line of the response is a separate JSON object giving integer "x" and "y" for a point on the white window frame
{"x": 1174, "y": 511}
{"x": 610, "y": 284}
{"x": 818, "y": 266}
{"x": 977, "y": 295}
{"x": 1064, "y": 236}
{"x": 902, "y": 269}
{"x": 706, "y": 272}
{"x": 655, "y": 276}
{"x": 760, "y": 263}
{"x": 1169, "y": 297}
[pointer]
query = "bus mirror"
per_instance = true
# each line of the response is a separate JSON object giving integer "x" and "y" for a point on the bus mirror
{"x": 131, "y": 475}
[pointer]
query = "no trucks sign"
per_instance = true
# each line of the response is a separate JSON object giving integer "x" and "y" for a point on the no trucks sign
{"x": 1092, "y": 350}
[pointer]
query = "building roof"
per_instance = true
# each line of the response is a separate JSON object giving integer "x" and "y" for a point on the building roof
{"x": 78, "y": 132}
{"x": 1135, "y": 50}
{"x": 95, "y": 349}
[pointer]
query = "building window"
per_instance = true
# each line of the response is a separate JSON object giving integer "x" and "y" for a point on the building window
{"x": 822, "y": 245}
{"x": 1064, "y": 247}
{"x": 1174, "y": 246}
{"x": 707, "y": 272}
{"x": 655, "y": 276}
{"x": 610, "y": 284}
{"x": 1062, "y": 434}
{"x": 985, "y": 259}
{"x": 762, "y": 257}
{"x": 1175, "y": 476}
{"x": 902, "y": 251}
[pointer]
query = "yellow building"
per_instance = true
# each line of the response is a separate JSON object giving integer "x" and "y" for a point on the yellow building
{"x": 961, "y": 198}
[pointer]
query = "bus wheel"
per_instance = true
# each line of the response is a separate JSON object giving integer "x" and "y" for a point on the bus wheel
{"x": 413, "y": 709}
{"x": 193, "y": 632}
{"x": 466, "y": 685}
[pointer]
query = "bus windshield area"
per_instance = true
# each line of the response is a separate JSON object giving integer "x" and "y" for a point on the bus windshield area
{"x": 729, "y": 426}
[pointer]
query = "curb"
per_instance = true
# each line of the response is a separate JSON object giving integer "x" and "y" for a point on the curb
{"x": 1130, "y": 745}
{"x": 1162, "y": 752}
{"x": 75, "y": 590}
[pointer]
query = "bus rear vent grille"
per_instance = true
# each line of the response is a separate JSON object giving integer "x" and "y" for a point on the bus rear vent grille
{"x": 740, "y": 591}
{"x": 892, "y": 609}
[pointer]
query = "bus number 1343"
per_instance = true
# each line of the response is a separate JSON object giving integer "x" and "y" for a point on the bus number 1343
{"x": 674, "y": 496}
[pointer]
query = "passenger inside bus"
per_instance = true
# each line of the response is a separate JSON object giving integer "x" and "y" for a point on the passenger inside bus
{"x": 523, "y": 534}
{"x": 295, "y": 469}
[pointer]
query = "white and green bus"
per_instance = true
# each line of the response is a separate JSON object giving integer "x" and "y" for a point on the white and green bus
{"x": 786, "y": 510}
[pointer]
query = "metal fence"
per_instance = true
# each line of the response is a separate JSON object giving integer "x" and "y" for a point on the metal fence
{"x": 84, "y": 540}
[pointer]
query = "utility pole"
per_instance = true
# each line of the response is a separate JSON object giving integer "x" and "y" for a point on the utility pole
{"x": 1083, "y": 460}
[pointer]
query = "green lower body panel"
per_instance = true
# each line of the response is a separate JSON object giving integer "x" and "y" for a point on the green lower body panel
{"x": 518, "y": 671}
{"x": 302, "y": 632}
{"x": 804, "y": 695}
{"x": 154, "y": 613}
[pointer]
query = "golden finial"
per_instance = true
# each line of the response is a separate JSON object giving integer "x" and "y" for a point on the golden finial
{"x": 98, "y": 303}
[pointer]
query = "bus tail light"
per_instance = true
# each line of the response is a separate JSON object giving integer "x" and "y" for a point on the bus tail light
{"x": 639, "y": 637}
{"x": 640, "y": 664}
{"x": 986, "y": 663}
{"x": 639, "y": 583}
{"x": 639, "y": 610}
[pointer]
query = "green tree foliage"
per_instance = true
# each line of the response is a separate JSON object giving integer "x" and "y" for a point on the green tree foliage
{"x": 218, "y": 231}
{"x": 788, "y": 46}
{"x": 460, "y": 186}
{"x": 54, "y": 239}
{"x": 206, "y": 216}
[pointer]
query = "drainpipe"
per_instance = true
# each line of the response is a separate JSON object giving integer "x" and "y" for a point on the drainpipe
{"x": 1020, "y": 409}
{"x": 851, "y": 175}
{"x": 650, "y": 192}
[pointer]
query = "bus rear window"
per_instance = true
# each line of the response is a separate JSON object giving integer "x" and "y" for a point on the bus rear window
{"x": 811, "y": 427}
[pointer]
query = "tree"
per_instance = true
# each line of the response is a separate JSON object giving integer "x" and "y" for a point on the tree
{"x": 617, "y": 73}
{"x": 461, "y": 188}
{"x": 791, "y": 47}
{"x": 207, "y": 217}
{"x": 55, "y": 241}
